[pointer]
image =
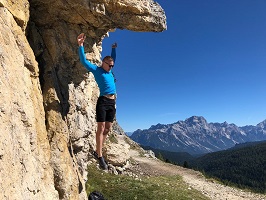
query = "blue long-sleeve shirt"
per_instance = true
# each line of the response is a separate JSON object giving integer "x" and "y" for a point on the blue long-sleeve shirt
{"x": 104, "y": 79}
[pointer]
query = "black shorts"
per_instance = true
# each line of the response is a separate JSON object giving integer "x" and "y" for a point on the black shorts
{"x": 105, "y": 109}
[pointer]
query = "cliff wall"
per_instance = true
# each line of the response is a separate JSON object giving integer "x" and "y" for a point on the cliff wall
{"x": 47, "y": 99}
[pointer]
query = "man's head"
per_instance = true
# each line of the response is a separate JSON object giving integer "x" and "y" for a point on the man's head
{"x": 108, "y": 63}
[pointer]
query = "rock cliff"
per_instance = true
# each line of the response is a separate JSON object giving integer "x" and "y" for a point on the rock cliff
{"x": 47, "y": 99}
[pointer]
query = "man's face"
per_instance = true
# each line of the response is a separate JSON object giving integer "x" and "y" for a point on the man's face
{"x": 107, "y": 65}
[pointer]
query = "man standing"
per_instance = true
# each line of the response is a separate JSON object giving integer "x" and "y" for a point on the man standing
{"x": 105, "y": 108}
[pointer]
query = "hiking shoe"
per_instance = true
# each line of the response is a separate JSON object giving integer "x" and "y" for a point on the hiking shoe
{"x": 102, "y": 163}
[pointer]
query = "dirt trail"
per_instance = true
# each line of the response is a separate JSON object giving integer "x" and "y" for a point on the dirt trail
{"x": 210, "y": 188}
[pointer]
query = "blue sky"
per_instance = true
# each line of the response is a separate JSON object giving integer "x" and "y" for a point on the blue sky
{"x": 210, "y": 62}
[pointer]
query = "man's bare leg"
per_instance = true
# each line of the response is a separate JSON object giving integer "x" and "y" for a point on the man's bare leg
{"x": 107, "y": 129}
{"x": 100, "y": 138}
{"x": 102, "y": 130}
{"x": 101, "y": 134}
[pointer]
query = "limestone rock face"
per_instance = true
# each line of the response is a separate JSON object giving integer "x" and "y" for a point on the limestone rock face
{"x": 25, "y": 170}
{"x": 19, "y": 10}
{"x": 47, "y": 99}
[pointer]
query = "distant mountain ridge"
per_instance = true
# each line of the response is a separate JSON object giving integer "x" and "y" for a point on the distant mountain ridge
{"x": 196, "y": 136}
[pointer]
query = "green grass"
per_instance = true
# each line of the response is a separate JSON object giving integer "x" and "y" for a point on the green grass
{"x": 122, "y": 187}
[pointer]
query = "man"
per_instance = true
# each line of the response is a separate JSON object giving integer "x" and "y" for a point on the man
{"x": 105, "y": 108}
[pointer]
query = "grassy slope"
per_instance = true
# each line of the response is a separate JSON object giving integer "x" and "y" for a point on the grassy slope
{"x": 121, "y": 187}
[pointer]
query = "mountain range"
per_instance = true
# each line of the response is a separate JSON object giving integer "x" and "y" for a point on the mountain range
{"x": 196, "y": 136}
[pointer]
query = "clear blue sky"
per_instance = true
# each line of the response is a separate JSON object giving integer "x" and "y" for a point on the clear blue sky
{"x": 210, "y": 62}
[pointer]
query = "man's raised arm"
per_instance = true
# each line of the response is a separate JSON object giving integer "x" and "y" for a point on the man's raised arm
{"x": 113, "y": 53}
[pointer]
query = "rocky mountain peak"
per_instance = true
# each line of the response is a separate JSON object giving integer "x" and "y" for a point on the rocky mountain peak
{"x": 225, "y": 124}
{"x": 158, "y": 126}
{"x": 196, "y": 120}
{"x": 262, "y": 125}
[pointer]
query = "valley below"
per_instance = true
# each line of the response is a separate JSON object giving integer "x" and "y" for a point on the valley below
{"x": 149, "y": 166}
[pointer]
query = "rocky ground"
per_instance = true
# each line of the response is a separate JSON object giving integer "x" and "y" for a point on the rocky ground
{"x": 144, "y": 165}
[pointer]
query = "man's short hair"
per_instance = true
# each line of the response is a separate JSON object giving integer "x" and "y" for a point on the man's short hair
{"x": 109, "y": 58}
